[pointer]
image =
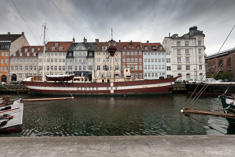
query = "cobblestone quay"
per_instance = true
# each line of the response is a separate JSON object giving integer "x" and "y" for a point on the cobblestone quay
{"x": 119, "y": 146}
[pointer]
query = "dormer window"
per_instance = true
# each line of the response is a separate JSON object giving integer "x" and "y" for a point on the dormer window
{"x": 53, "y": 48}
{"x": 104, "y": 48}
{"x": 146, "y": 47}
{"x": 56, "y": 44}
{"x": 138, "y": 47}
{"x": 70, "y": 54}
{"x": 38, "y": 49}
{"x": 32, "y": 49}
{"x": 160, "y": 47}
{"x": 61, "y": 48}
{"x": 28, "y": 54}
{"x": 34, "y": 54}
{"x": 98, "y": 48}
{"x": 14, "y": 54}
{"x": 25, "y": 50}
{"x": 154, "y": 48}
{"x": 124, "y": 47}
{"x": 21, "y": 54}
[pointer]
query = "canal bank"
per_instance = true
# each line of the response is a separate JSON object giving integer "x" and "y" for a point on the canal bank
{"x": 117, "y": 146}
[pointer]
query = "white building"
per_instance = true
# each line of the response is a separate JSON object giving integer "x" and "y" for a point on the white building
{"x": 24, "y": 63}
{"x": 55, "y": 57}
{"x": 154, "y": 60}
{"x": 185, "y": 55}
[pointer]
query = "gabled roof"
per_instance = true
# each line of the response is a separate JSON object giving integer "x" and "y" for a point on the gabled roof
{"x": 58, "y": 46}
{"x": 8, "y": 38}
{"x": 129, "y": 45}
{"x": 100, "y": 44}
{"x": 152, "y": 46}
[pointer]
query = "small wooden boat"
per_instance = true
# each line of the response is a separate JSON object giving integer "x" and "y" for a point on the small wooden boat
{"x": 60, "y": 77}
{"x": 11, "y": 115}
{"x": 11, "y": 112}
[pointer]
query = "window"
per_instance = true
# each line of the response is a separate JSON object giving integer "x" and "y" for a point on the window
{"x": 132, "y": 53}
{"x": 6, "y": 68}
{"x": 128, "y": 53}
{"x": 84, "y": 68}
{"x": 200, "y": 59}
{"x": 199, "y": 42}
{"x": 178, "y": 43}
{"x": 2, "y": 53}
{"x": 2, "y": 61}
{"x": 140, "y": 59}
{"x": 179, "y": 67}
{"x": 128, "y": 59}
{"x": 26, "y": 67}
{"x": 140, "y": 53}
{"x": 186, "y": 43}
{"x": 89, "y": 67}
{"x": 20, "y": 68}
{"x": 51, "y": 67}
{"x": 6, "y": 53}
{"x": 48, "y": 68}
{"x": 168, "y": 68}
{"x": 61, "y": 48}
{"x": 63, "y": 67}
{"x": 123, "y": 53}
{"x": 34, "y": 68}
{"x": 140, "y": 67}
{"x": 136, "y": 59}
{"x": 168, "y": 60}
{"x": 178, "y": 59}
{"x": 187, "y": 76}
{"x": 2, "y": 68}
{"x": 200, "y": 51}
{"x": 16, "y": 67}
{"x": 200, "y": 67}
{"x": 145, "y": 67}
{"x": 187, "y": 67}
{"x": 145, "y": 60}
{"x": 186, "y": 51}
{"x": 12, "y": 67}
{"x": 25, "y": 50}
{"x": 178, "y": 51}
{"x": 21, "y": 54}
{"x": 146, "y": 47}
{"x": 53, "y": 48}
{"x": 98, "y": 59}
{"x": 136, "y": 67}
{"x": 123, "y": 60}
{"x": 156, "y": 67}
{"x": 187, "y": 59}
{"x": 132, "y": 67}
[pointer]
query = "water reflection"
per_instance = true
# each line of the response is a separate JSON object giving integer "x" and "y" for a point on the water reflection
{"x": 117, "y": 116}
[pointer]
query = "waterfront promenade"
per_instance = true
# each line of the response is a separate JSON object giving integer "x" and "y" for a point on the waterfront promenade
{"x": 119, "y": 146}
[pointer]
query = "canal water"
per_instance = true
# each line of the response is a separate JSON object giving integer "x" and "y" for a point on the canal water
{"x": 120, "y": 116}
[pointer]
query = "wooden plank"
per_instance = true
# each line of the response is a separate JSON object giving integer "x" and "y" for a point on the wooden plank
{"x": 46, "y": 99}
{"x": 185, "y": 111}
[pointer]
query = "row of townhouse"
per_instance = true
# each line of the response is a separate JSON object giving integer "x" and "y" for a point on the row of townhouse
{"x": 177, "y": 56}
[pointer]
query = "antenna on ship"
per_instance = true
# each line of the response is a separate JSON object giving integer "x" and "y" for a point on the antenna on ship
{"x": 43, "y": 58}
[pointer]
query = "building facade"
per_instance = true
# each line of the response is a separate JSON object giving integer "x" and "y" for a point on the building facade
{"x": 154, "y": 58}
{"x": 80, "y": 59}
{"x": 54, "y": 59}
{"x": 132, "y": 58}
{"x": 9, "y": 43}
{"x": 224, "y": 61}
{"x": 186, "y": 55}
{"x": 24, "y": 63}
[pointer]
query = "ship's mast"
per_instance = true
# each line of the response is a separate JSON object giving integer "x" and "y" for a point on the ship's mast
{"x": 43, "y": 58}
{"x": 112, "y": 49}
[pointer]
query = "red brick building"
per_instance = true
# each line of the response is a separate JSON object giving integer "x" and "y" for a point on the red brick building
{"x": 225, "y": 60}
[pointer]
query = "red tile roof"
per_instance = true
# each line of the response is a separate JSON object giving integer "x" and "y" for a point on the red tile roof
{"x": 58, "y": 46}
{"x": 28, "y": 50}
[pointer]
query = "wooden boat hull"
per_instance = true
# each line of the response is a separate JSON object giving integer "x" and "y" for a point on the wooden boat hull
{"x": 229, "y": 107}
{"x": 59, "y": 77}
{"x": 161, "y": 86}
{"x": 212, "y": 89}
{"x": 15, "y": 110}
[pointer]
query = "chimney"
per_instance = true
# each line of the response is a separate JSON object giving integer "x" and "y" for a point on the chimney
{"x": 119, "y": 41}
{"x": 22, "y": 33}
{"x": 169, "y": 34}
{"x": 131, "y": 41}
{"x": 147, "y": 41}
{"x": 8, "y": 33}
{"x": 96, "y": 40}
{"x": 73, "y": 40}
{"x": 84, "y": 40}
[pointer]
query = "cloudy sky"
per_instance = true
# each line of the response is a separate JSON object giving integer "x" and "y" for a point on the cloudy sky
{"x": 136, "y": 20}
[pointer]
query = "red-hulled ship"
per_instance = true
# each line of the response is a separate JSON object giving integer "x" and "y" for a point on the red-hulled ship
{"x": 108, "y": 84}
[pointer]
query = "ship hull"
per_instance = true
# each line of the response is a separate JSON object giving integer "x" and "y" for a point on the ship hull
{"x": 15, "y": 110}
{"x": 161, "y": 86}
{"x": 215, "y": 89}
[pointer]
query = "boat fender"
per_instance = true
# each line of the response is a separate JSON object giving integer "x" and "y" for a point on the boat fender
{"x": 6, "y": 108}
{"x": 3, "y": 123}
